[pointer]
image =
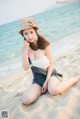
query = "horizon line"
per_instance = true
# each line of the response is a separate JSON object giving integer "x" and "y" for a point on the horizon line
{"x": 66, "y": 1}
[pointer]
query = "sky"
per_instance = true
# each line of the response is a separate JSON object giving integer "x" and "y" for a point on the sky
{"x": 69, "y": 1}
{"x": 12, "y": 10}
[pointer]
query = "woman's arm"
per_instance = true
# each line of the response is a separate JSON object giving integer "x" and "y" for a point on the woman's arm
{"x": 50, "y": 57}
{"x": 50, "y": 68}
{"x": 25, "y": 61}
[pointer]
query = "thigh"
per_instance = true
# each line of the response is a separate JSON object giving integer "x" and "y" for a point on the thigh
{"x": 53, "y": 81}
{"x": 33, "y": 92}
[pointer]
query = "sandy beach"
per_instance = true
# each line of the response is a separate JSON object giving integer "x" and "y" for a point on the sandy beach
{"x": 65, "y": 106}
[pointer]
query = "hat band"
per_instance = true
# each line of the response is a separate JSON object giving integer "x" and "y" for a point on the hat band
{"x": 26, "y": 25}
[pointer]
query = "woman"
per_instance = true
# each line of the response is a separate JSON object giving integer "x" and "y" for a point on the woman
{"x": 36, "y": 52}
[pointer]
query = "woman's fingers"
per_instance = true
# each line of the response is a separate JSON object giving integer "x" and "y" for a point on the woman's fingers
{"x": 43, "y": 90}
{"x": 26, "y": 45}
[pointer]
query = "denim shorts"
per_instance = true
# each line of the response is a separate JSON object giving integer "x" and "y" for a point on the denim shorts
{"x": 40, "y": 75}
{"x": 39, "y": 79}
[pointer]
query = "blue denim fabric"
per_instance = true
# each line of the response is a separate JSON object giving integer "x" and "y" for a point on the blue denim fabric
{"x": 39, "y": 79}
{"x": 40, "y": 75}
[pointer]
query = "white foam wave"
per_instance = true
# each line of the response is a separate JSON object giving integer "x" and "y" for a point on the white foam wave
{"x": 5, "y": 70}
{"x": 65, "y": 44}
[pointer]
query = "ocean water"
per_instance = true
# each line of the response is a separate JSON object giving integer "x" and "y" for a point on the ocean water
{"x": 54, "y": 24}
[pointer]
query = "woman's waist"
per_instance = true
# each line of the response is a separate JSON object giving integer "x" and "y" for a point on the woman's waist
{"x": 39, "y": 70}
{"x": 41, "y": 66}
{"x": 44, "y": 71}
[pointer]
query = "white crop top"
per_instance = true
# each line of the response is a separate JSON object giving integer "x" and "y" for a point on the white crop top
{"x": 42, "y": 62}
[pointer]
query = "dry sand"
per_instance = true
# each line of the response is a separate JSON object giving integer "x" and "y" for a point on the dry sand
{"x": 66, "y": 106}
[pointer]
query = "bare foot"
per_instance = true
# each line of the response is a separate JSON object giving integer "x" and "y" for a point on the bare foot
{"x": 19, "y": 94}
{"x": 77, "y": 80}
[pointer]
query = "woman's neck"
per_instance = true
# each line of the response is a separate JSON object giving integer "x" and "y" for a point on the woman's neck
{"x": 34, "y": 45}
{"x": 35, "y": 42}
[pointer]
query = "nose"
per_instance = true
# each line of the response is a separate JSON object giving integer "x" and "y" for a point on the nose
{"x": 29, "y": 36}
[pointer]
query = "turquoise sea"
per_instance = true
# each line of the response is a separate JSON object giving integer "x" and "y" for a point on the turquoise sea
{"x": 54, "y": 24}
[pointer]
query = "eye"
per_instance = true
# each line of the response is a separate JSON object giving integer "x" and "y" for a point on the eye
{"x": 31, "y": 32}
{"x": 25, "y": 33}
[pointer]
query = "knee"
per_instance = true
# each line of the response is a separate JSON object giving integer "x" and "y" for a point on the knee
{"x": 28, "y": 100}
{"x": 54, "y": 90}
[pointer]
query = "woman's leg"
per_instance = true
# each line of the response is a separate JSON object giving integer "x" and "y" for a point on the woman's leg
{"x": 19, "y": 93}
{"x": 31, "y": 95}
{"x": 56, "y": 87}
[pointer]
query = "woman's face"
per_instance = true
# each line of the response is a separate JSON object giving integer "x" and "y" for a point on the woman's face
{"x": 29, "y": 35}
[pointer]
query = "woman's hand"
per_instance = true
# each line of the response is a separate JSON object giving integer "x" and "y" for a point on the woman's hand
{"x": 25, "y": 45}
{"x": 45, "y": 86}
{"x": 25, "y": 55}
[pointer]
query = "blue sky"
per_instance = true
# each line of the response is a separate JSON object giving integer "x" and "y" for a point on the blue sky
{"x": 11, "y": 10}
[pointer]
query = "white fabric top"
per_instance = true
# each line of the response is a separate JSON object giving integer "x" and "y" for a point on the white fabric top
{"x": 42, "y": 62}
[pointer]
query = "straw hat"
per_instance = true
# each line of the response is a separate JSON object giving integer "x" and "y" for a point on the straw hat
{"x": 27, "y": 23}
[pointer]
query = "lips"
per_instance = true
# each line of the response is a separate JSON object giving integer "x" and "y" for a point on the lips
{"x": 30, "y": 40}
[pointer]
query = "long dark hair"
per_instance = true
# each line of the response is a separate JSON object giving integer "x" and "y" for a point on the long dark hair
{"x": 42, "y": 43}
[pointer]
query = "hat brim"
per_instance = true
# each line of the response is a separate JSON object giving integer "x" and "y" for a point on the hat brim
{"x": 20, "y": 32}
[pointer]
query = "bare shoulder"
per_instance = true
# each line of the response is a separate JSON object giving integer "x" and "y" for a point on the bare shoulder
{"x": 48, "y": 49}
{"x": 49, "y": 53}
